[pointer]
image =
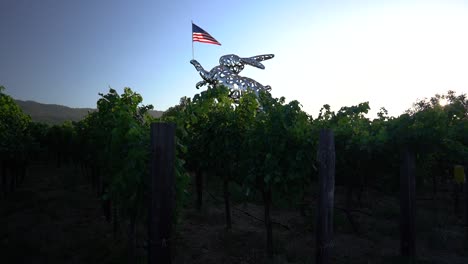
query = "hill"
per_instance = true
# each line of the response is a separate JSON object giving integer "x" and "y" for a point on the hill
{"x": 57, "y": 114}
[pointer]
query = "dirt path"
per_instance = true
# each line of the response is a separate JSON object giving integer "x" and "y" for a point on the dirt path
{"x": 54, "y": 217}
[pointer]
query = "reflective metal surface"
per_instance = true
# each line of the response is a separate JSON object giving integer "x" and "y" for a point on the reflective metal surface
{"x": 226, "y": 73}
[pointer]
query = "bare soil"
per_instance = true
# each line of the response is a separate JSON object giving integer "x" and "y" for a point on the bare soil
{"x": 55, "y": 217}
{"x": 202, "y": 237}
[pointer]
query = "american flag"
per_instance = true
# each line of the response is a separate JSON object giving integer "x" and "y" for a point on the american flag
{"x": 201, "y": 35}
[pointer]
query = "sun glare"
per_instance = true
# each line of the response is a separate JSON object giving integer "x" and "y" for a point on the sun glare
{"x": 443, "y": 102}
{"x": 389, "y": 56}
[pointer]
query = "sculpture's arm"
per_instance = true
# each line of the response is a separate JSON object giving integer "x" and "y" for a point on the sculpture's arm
{"x": 203, "y": 73}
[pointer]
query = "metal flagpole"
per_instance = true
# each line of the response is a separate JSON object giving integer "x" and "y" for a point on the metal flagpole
{"x": 193, "y": 56}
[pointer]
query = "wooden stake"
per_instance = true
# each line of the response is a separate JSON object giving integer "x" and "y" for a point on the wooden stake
{"x": 162, "y": 192}
{"x": 324, "y": 228}
{"x": 407, "y": 205}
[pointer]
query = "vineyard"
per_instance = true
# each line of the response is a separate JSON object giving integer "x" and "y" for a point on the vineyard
{"x": 248, "y": 178}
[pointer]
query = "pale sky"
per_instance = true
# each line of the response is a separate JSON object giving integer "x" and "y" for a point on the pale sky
{"x": 341, "y": 53}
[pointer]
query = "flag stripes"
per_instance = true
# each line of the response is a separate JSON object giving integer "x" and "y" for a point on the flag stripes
{"x": 200, "y": 35}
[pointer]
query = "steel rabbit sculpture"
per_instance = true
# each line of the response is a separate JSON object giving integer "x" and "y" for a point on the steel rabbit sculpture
{"x": 226, "y": 73}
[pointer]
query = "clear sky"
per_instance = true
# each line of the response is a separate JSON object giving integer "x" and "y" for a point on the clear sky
{"x": 341, "y": 53}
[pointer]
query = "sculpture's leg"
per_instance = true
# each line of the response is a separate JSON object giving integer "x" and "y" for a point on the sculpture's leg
{"x": 234, "y": 94}
{"x": 200, "y": 84}
{"x": 255, "y": 90}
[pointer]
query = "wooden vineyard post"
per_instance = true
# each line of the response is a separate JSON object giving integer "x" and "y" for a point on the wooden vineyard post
{"x": 268, "y": 225}
{"x": 227, "y": 205}
{"x": 324, "y": 228}
{"x": 466, "y": 203}
{"x": 199, "y": 186}
{"x": 162, "y": 192}
{"x": 407, "y": 205}
{"x": 3, "y": 172}
{"x": 459, "y": 179}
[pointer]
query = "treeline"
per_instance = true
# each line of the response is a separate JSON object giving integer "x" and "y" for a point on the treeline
{"x": 261, "y": 147}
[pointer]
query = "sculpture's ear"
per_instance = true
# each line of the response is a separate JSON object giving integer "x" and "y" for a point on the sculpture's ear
{"x": 252, "y": 62}
{"x": 255, "y": 60}
{"x": 263, "y": 57}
